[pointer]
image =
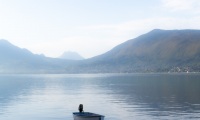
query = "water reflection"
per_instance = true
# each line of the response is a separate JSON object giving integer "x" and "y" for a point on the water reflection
{"x": 158, "y": 96}
{"x": 117, "y": 96}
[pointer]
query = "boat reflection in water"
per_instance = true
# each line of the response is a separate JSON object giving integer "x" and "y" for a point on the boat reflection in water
{"x": 87, "y": 116}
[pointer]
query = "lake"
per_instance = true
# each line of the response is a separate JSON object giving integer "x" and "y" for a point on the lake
{"x": 117, "y": 96}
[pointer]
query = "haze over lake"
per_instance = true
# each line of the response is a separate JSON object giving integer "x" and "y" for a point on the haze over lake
{"x": 117, "y": 96}
{"x": 125, "y": 59}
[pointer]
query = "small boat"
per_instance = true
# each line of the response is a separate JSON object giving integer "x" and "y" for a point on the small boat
{"x": 81, "y": 115}
{"x": 87, "y": 116}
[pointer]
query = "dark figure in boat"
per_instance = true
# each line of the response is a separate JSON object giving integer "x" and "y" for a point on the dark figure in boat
{"x": 80, "y": 108}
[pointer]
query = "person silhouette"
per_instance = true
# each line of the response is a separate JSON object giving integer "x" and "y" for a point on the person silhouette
{"x": 80, "y": 108}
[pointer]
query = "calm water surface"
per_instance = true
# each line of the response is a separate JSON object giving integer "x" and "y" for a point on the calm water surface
{"x": 117, "y": 96}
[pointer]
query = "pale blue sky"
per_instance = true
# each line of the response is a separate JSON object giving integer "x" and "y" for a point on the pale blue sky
{"x": 89, "y": 27}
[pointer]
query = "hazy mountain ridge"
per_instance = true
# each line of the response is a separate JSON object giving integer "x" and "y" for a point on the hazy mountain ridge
{"x": 69, "y": 55}
{"x": 156, "y": 51}
{"x": 18, "y": 60}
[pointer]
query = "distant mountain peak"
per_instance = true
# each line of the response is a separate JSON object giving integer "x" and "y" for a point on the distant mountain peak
{"x": 3, "y": 41}
{"x": 70, "y": 55}
{"x": 158, "y": 31}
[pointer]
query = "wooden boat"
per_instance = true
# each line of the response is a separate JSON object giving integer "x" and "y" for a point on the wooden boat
{"x": 87, "y": 116}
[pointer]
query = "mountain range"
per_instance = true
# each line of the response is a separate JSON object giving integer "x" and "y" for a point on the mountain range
{"x": 155, "y": 51}
{"x": 17, "y": 60}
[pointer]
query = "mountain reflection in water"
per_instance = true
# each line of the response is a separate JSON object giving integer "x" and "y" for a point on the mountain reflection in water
{"x": 117, "y": 96}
